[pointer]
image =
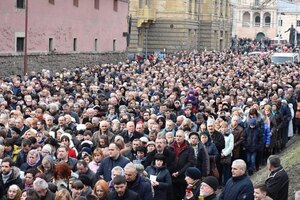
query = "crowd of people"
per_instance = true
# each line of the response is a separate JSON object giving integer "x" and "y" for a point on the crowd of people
{"x": 172, "y": 128}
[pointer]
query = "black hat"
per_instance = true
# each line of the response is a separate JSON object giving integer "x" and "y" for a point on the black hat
{"x": 212, "y": 182}
{"x": 194, "y": 133}
{"x": 16, "y": 130}
{"x": 193, "y": 172}
{"x": 85, "y": 180}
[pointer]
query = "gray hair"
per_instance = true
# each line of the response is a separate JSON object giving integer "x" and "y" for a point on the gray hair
{"x": 274, "y": 161}
{"x": 40, "y": 183}
{"x": 130, "y": 166}
{"x": 241, "y": 163}
{"x": 117, "y": 169}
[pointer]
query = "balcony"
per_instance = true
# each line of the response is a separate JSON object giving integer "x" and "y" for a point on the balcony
{"x": 145, "y": 16}
{"x": 246, "y": 24}
{"x": 257, "y": 24}
{"x": 267, "y": 25}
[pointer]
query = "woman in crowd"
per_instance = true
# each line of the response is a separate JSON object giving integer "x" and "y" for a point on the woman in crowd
{"x": 159, "y": 176}
{"x": 101, "y": 190}
{"x": 14, "y": 193}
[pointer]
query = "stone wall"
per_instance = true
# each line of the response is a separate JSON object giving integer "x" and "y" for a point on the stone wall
{"x": 13, "y": 64}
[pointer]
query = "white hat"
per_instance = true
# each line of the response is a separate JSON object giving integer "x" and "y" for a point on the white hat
{"x": 210, "y": 121}
{"x": 47, "y": 148}
{"x": 144, "y": 139}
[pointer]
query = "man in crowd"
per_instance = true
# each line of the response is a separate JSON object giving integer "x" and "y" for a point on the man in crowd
{"x": 121, "y": 191}
{"x": 278, "y": 181}
{"x": 137, "y": 183}
{"x": 239, "y": 186}
{"x": 114, "y": 159}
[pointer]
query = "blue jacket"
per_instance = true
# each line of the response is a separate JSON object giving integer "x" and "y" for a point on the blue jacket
{"x": 238, "y": 188}
{"x": 107, "y": 164}
{"x": 164, "y": 179}
{"x": 267, "y": 135}
{"x": 142, "y": 187}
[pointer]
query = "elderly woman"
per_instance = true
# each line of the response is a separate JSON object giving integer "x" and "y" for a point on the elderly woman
{"x": 33, "y": 160}
{"x": 47, "y": 167}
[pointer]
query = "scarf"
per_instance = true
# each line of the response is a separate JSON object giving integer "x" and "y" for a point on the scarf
{"x": 5, "y": 177}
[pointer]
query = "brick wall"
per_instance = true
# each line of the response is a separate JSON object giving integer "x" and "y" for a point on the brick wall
{"x": 13, "y": 64}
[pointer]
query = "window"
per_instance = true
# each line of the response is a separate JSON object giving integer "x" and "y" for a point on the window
{"x": 75, "y": 44}
{"x": 257, "y": 2}
{"x": 20, "y": 44}
{"x": 52, "y": 1}
{"x": 114, "y": 45}
{"x": 116, "y": 5}
{"x": 96, "y": 4}
{"x": 96, "y": 44}
{"x": 21, "y": 4}
{"x": 50, "y": 44}
{"x": 190, "y": 6}
{"x": 298, "y": 23}
{"x": 280, "y": 22}
{"x": 76, "y": 3}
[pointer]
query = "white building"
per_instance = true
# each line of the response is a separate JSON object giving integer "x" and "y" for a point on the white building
{"x": 288, "y": 14}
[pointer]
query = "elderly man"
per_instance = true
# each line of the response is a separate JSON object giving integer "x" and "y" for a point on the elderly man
{"x": 184, "y": 158}
{"x": 114, "y": 159}
{"x": 130, "y": 134}
{"x": 137, "y": 183}
{"x": 278, "y": 181}
{"x": 41, "y": 187}
{"x": 239, "y": 186}
{"x": 103, "y": 130}
{"x": 208, "y": 190}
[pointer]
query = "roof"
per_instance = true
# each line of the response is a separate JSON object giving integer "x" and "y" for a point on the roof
{"x": 287, "y": 6}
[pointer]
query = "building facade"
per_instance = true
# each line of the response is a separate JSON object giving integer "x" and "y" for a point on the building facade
{"x": 174, "y": 25}
{"x": 288, "y": 15}
{"x": 63, "y": 26}
{"x": 255, "y": 18}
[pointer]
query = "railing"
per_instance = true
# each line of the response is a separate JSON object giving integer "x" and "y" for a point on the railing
{"x": 257, "y": 24}
{"x": 267, "y": 24}
{"x": 246, "y": 24}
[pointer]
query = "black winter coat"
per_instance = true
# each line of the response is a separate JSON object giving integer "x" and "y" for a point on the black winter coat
{"x": 13, "y": 179}
{"x": 278, "y": 184}
{"x": 164, "y": 179}
{"x": 218, "y": 139}
{"x": 186, "y": 158}
{"x": 142, "y": 187}
{"x": 168, "y": 153}
{"x": 129, "y": 195}
{"x": 238, "y": 188}
{"x": 253, "y": 139}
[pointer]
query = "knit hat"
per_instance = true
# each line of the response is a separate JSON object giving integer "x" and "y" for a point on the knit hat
{"x": 159, "y": 156}
{"x": 252, "y": 122}
{"x": 212, "y": 182}
{"x": 144, "y": 139}
{"x": 47, "y": 148}
{"x": 193, "y": 172}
